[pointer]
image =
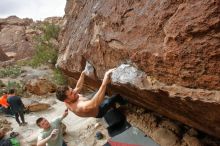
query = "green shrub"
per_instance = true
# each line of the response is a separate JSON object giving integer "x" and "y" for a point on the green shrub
{"x": 14, "y": 85}
{"x": 46, "y": 52}
{"x": 1, "y": 91}
{"x": 2, "y": 84}
{"x": 50, "y": 31}
{"x": 12, "y": 71}
{"x": 58, "y": 77}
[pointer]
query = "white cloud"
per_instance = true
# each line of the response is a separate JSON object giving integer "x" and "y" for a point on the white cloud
{"x": 35, "y": 9}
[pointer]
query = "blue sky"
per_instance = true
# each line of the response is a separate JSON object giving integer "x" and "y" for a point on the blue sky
{"x": 35, "y": 9}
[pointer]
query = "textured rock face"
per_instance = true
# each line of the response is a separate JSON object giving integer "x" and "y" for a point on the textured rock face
{"x": 170, "y": 51}
{"x": 13, "y": 37}
{"x": 3, "y": 56}
{"x": 17, "y": 35}
{"x": 40, "y": 86}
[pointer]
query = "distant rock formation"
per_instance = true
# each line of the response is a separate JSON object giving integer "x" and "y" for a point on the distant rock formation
{"x": 17, "y": 35}
{"x": 13, "y": 36}
{"x": 170, "y": 51}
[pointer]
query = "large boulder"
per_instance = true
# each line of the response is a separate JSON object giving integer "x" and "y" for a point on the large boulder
{"x": 167, "y": 54}
{"x": 40, "y": 86}
{"x": 13, "y": 37}
{"x": 18, "y": 36}
{"x": 35, "y": 107}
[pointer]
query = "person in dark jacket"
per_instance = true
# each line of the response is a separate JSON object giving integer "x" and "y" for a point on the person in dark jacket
{"x": 17, "y": 107}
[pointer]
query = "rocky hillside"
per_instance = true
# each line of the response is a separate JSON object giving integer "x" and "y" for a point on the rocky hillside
{"x": 17, "y": 36}
{"x": 167, "y": 54}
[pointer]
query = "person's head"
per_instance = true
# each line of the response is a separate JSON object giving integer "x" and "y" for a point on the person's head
{"x": 42, "y": 123}
{"x": 66, "y": 94}
{"x": 11, "y": 91}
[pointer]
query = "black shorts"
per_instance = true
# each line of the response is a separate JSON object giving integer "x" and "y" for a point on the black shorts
{"x": 109, "y": 103}
{"x": 102, "y": 110}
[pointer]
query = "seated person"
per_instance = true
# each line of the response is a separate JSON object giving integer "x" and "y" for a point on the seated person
{"x": 11, "y": 141}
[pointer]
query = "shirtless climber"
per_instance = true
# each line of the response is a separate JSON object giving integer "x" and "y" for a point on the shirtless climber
{"x": 83, "y": 107}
